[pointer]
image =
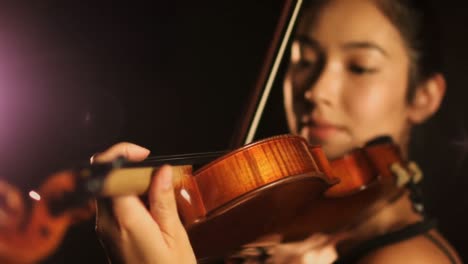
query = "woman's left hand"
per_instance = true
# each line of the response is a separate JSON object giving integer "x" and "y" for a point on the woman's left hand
{"x": 317, "y": 249}
{"x": 132, "y": 234}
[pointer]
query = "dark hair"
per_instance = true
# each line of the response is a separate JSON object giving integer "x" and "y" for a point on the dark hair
{"x": 418, "y": 26}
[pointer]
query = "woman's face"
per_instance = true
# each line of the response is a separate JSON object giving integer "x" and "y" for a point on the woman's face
{"x": 348, "y": 77}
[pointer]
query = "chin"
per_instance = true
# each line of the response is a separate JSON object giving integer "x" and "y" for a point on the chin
{"x": 334, "y": 153}
{"x": 331, "y": 150}
{"x": 334, "y": 146}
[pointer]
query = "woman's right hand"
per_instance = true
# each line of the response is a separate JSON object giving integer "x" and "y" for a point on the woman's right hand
{"x": 133, "y": 234}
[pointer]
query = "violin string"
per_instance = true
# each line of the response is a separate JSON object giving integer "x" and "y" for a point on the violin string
{"x": 179, "y": 159}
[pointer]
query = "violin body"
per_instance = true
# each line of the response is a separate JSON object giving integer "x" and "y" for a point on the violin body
{"x": 246, "y": 194}
{"x": 280, "y": 185}
{"x": 286, "y": 187}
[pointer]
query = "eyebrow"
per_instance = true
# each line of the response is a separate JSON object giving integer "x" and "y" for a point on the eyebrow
{"x": 365, "y": 45}
{"x": 306, "y": 40}
{"x": 303, "y": 39}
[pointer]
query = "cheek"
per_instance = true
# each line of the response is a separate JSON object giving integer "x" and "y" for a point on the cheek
{"x": 376, "y": 107}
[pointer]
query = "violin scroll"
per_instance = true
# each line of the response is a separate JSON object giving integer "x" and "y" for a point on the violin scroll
{"x": 29, "y": 227}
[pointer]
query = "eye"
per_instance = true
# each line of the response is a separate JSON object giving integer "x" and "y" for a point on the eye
{"x": 358, "y": 69}
{"x": 304, "y": 64}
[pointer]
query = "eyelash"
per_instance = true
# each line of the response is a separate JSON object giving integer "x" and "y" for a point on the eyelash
{"x": 357, "y": 69}
{"x": 305, "y": 63}
{"x": 354, "y": 68}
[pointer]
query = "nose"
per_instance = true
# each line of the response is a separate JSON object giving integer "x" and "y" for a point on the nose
{"x": 323, "y": 88}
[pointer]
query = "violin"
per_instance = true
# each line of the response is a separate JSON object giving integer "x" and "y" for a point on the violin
{"x": 279, "y": 185}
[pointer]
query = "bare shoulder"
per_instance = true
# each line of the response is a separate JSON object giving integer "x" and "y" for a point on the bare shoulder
{"x": 429, "y": 248}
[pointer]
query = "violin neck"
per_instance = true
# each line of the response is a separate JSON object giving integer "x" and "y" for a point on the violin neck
{"x": 124, "y": 178}
{"x": 136, "y": 181}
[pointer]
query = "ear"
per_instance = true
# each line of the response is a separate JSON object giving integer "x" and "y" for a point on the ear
{"x": 427, "y": 99}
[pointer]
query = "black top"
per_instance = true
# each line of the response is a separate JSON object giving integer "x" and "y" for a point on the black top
{"x": 260, "y": 255}
{"x": 420, "y": 228}
{"x": 360, "y": 251}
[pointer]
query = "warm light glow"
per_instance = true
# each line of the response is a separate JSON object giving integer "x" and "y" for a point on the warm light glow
{"x": 185, "y": 195}
{"x": 34, "y": 195}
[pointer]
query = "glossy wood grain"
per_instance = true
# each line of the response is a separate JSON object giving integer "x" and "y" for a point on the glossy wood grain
{"x": 280, "y": 185}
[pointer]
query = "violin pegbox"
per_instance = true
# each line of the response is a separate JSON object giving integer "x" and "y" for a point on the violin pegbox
{"x": 416, "y": 172}
{"x": 411, "y": 174}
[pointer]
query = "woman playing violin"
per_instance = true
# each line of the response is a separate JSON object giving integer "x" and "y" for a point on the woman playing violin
{"x": 358, "y": 69}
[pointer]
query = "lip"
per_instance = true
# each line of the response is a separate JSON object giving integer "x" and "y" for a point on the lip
{"x": 320, "y": 129}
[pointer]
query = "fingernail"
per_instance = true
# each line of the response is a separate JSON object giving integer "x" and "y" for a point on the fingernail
{"x": 93, "y": 157}
{"x": 165, "y": 180}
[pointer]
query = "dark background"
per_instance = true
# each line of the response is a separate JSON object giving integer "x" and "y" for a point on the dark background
{"x": 77, "y": 77}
